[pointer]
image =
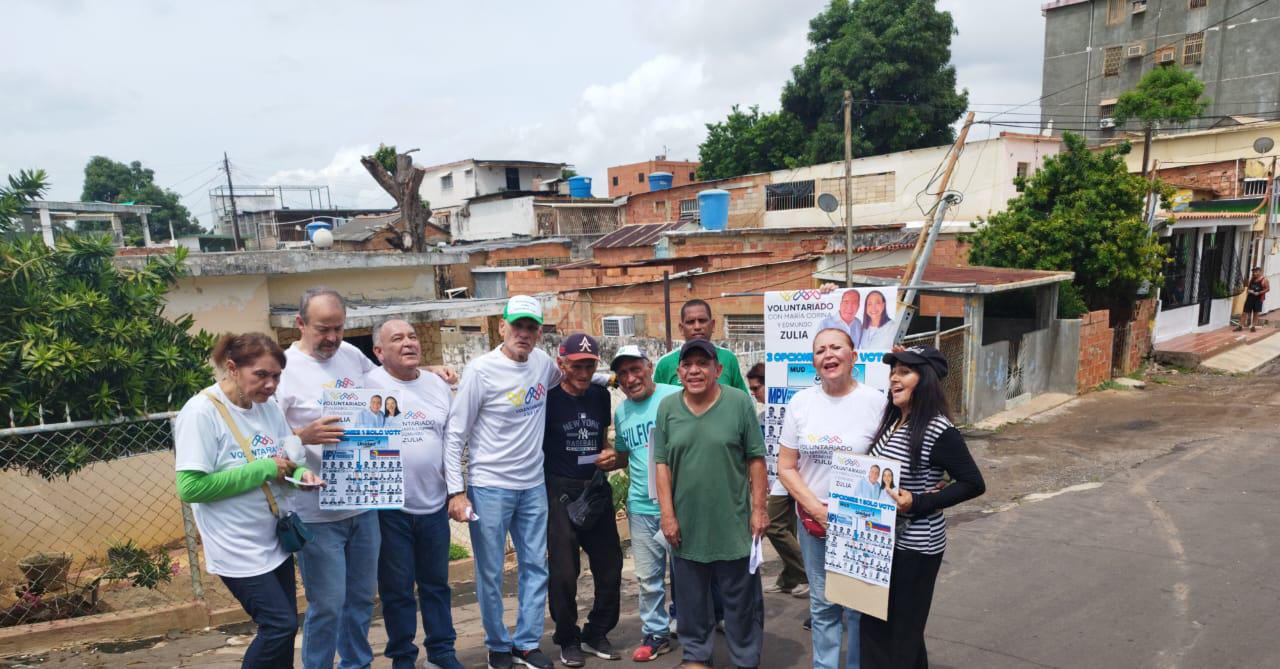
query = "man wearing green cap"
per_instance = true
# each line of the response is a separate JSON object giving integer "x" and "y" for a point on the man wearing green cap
{"x": 498, "y": 417}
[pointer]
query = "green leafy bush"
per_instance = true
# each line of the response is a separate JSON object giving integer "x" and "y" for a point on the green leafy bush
{"x": 129, "y": 562}
{"x": 457, "y": 552}
{"x": 621, "y": 483}
{"x": 84, "y": 339}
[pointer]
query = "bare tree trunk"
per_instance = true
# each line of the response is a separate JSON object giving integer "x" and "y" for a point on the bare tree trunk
{"x": 403, "y": 187}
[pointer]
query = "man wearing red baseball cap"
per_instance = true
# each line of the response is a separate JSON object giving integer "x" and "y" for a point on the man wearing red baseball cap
{"x": 576, "y": 455}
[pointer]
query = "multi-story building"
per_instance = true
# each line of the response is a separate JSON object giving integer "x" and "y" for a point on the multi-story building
{"x": 1094, "y": 50}
{"x": 634, "y": 178}
{"x": 451, "y": 185}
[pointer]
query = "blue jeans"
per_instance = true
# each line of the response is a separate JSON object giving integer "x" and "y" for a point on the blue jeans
{"x": 830, "y": 621}
{"x": 415, "y": 550}
{"x": 522, "y": 514}
{"x": 651, "y": 573}
{"x": 339, "y": 575}
{"x": 271, "y": 599}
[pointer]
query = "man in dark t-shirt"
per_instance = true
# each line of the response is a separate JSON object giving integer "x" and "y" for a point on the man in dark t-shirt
{"x": 575, "y": 448}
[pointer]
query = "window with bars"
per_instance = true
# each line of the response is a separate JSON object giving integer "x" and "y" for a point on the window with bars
{"x": 1255, "y": 187}
{"x": 689, "y": 210}
{"x": 1193, "y": 49}
{"x": 743, "y": 325}
{"x": 1021, "y": 172}
{"x": 1197, "y": 4}
{"x": 792, "y": 195}
{"x": 1111, "y": 61}
{"x": 1117, "y": 10}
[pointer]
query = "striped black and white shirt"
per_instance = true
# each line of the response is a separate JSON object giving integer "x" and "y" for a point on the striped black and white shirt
{"x": 943, "y": 451}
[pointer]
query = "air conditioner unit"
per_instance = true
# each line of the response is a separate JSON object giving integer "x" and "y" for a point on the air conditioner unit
{"x": 619, "y": 326}
{"x": 1167, "y": 56}
{"x": 1139, "y": 6}
{"x": 1106, "y": 123}
{"x": 1135, "y": 50}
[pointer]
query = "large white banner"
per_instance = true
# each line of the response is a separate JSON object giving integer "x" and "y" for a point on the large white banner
{"x": 793, "y": 317}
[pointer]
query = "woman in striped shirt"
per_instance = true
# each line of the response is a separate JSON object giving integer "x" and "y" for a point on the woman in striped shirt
{"x": 917, "y": 431}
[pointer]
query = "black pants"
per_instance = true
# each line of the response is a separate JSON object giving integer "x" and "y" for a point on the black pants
{"x": 899, "y": 642}
{"x": 743, "y": 610}
{"x": 271, "y": 599}
{"x": 604, "y": 553}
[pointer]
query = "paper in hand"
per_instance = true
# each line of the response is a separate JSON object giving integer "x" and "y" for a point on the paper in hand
{"x": 661, "y": 540}
{"x": 757, "y": 555}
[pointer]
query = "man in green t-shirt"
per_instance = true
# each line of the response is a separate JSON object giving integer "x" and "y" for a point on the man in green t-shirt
{"x": 711, "y": 481}
{"x": 696, "y": 322}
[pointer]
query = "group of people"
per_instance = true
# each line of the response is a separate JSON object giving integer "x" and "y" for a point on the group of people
{"x": 521, "y": 453}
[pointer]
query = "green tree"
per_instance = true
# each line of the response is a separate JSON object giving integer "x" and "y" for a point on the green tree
{"x": 894, "y": 56}
{"x": 106, "y": 180}
{"x": 748, "y": 142}
{"x": 1166, "y": 94}
{"x": 1081, "y": 212}
{"x": 386, "y": 157}
{"x": 83, "y": 338}
{"x": 28, "y": 185}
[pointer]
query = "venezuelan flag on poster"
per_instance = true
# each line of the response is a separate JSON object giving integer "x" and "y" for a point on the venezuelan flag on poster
{"x": 879, "y": 527}
{"x": 384, "y": 453}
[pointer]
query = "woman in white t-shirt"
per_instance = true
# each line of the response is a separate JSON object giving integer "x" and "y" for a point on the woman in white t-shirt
{"x": 225, "y": 489}
{"x": 838, "y": 414}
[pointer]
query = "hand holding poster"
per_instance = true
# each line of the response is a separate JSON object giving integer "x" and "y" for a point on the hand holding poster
{"x": 792, "y": 319}
{"x": 363, "y": 471}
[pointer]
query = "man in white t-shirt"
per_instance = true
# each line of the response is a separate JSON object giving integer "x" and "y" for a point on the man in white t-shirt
{"x": 336, "y": 563}
{"x": 415, "y": 539}
{"x": 499, "y": 414}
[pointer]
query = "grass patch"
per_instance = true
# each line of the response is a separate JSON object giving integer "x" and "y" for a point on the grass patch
{"x": 1110, "y": 384}
{"x": 457, "y": 552}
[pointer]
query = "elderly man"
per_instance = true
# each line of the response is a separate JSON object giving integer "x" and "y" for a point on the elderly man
{"x": 336, "y": 564}
{"x": 415, "y": 539}
{"x": 696, "y": 322}
{"x": 633, "y": 426}
{"x": 576, "y": 453}
{"x": 499, "y": 414}
{"x": 711, "y": 492}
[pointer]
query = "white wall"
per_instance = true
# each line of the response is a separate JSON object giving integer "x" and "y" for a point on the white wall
{"x": 494, "y": 219}
{"x": 984, "y": 173}
{"x": 493, "y": 178}
{"x": 1177, "y": 322}
{"x": 463, "y": 185}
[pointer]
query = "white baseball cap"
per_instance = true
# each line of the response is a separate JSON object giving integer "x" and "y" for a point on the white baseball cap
{"x": 625, "y": 352}
{"x": 522, "y": 306}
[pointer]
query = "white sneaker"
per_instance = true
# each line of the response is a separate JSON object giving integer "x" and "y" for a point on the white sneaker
{"x": 800, "y": 591}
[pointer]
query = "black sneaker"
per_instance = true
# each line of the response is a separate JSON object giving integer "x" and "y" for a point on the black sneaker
{"x": 571, "y": 655}
{"x": 601, "y": 648}
{"x": 533, "y": 657}
{"x": 499, "y": 660}
{"x": 808, "y": 624}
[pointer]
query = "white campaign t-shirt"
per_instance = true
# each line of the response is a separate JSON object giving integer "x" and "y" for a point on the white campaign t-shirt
{"x": 499, "y": 413}
{"x": 301, "y": 396}
{"x": 424, "y": 411}
{"x": 239, "y": 533}
{"x": 817, "y": 424}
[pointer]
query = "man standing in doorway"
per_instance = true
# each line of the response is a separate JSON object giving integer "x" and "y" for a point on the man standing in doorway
{"x": 712, "y": 479}
{"x": 696, "y": 322}
{"x": 633, "y": 426}
{"x": 576, "y": 457}
{"x": 782, "y": 514}
{"x": 415, "y": 539}
{"x": 499, "y": 413}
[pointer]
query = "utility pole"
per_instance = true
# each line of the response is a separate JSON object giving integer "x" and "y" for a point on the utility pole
{"x": 666, "y": 301}
{"x": 231, "y": 195}
{"x": 848, "y": 189}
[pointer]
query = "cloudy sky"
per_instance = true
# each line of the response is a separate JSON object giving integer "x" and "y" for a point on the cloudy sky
{"x": 296, "y": 91}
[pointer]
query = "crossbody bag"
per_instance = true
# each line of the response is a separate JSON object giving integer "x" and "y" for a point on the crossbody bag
{"x": 290, "y": 530}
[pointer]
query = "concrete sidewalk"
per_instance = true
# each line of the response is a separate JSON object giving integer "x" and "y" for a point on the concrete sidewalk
{"x": 1246, "y": 357}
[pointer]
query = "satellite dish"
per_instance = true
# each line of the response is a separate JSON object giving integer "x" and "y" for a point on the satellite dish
{"x": 322, "y": 239}
{"x": 1263, "y": 144}
{"x": 828, "y": 202}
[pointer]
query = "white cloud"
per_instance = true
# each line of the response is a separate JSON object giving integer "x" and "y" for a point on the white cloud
{"x": 346, "y": 178}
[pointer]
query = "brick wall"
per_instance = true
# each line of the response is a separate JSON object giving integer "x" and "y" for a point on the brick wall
{"x": 1219, "y": 177}
{"x": 620, "y": 256}
{"x": 529, "y": 254}
{"x": 950, "y": 251}
{"x": 1095, "y": 350}
{"x": 1138, "y": 346}
{"x": 629, "y": 181}
{"x": 746, "y": 203}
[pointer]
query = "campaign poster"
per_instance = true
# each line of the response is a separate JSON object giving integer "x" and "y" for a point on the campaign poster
{"x": 361, "y": 472}
{"x": 861, "y": 514}
{"x": 791, "y": 320}
{"x": 363, "y": 411}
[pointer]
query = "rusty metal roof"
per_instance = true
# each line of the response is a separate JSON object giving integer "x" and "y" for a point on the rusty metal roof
{"x": 641, "y": 234}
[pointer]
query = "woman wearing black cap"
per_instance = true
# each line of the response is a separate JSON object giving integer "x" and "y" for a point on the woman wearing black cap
{"x": 916, "y": 430}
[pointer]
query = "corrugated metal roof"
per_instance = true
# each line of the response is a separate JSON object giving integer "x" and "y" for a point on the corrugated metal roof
{"x": 642, "y": 234}
{"x": 1197, "y": 215}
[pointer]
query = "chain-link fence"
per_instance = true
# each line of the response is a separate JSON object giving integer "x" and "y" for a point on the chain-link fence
{"x": 951, "y": 344}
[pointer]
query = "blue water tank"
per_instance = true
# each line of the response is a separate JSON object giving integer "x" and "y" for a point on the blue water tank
{"x": 713, "y": 209}
{"x": 579, "y": 186}
{"x": 318, "y": 225}
{"x": 660, "y": 181}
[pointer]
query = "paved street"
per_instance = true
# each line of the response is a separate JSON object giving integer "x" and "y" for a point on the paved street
{"x": 1128, "y": 529}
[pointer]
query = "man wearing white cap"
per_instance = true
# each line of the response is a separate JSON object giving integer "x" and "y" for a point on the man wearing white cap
{"x": 499, "y": 414}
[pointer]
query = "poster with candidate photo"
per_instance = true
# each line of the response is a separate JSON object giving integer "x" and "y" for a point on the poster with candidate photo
{"x": 791, "y": 320}
{"x": 861, "y": 516}
{"x": 364, "y": 411}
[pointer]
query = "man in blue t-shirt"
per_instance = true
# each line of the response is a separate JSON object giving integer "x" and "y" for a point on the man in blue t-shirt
{"x": 633, "y": 430}
{"x": 575, "y": 449}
